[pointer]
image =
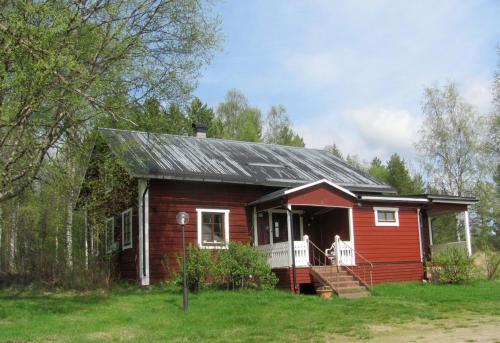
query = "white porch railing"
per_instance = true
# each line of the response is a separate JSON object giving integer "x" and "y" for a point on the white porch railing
{"x": 278, "y": 257}
{"x": 346, "y": 255}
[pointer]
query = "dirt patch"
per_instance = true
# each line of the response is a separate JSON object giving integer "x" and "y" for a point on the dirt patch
{"x": 473, "y": 329}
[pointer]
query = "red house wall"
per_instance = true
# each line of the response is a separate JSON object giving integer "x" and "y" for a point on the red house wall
{"x": 393, "y": 250}
{"x": 167, "y": 198}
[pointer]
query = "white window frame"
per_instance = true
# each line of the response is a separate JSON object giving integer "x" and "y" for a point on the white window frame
{"x": 110, "y": 247}
{"x": 127, "y": 246}
{"x": 391, "y": 209}
{"x": 200, "y": 212}
{"x": 271, "y": 226}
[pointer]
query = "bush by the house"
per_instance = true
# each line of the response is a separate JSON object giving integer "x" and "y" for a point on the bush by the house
{"x": 242, "y": 266}
{"x": 198, "y": 268}
{"x": 454, "y": 266}
{"x": 492, "y": 262}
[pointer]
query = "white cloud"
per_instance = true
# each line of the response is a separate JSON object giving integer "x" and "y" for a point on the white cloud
{"x": 366, "y": 131}
{"x": 318, "y": 69}
{"x": 478, "y": 92}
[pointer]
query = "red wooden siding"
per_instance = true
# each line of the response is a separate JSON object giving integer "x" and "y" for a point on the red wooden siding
{"x": 285, "y": 277}
{"x": 394, "y": 272}
{"x": 387, "y": 243}
{"x": 321, "y": 195}
{"x": 167, "y": 198}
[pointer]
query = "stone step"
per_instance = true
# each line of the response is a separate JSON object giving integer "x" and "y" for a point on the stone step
{"x": 355, "y": 295}
{"x": 338, "y": 277}
{"x": 345, "y": 284}
{"x": 350, "y": 289}
{"x": 332, "y": 273}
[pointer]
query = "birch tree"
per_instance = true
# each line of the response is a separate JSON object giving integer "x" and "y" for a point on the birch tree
{"x": 65, "y": 63}
{"x": 449, "y": 141}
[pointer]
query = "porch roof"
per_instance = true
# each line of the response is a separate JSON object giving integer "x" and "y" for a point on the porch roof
{"x": 428, "y": 200}
{"x": 286, "y": 191}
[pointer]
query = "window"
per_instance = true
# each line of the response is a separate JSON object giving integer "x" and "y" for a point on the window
{"x": 386, "y": 216}
{"x": 213, "y": 228}
{"x": 110, "y": 235}
{"x": 127, "y": 229}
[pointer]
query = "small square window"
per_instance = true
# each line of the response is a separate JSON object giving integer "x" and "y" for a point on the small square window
{"x": 213, "y": 228}
{"x": 127, "y": 229}
{"x": 385, "y": 216}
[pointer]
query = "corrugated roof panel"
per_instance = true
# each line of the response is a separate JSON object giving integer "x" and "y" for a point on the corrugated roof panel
{"x": 150, "y": 155}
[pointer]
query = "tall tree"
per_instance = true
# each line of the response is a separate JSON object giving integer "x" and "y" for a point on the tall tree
{"x": 240, "y": 121}
{"x": 334, "y": 149}
{"x": 449, "y": 140}
{"x": 399, "y": 177}
{"x": 62, "y": 61}
{"x": 378, "y": 170}
{"x": 279, "y": 128}
{"x": 200, "y": 113}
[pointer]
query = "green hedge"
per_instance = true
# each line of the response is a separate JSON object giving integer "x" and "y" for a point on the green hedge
{"x": 240, "y": 266}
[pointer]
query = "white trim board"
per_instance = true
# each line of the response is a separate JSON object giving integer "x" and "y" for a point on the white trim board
{"x": 312, "y": 184}
{"x": 391, "y": 209}
{"x": 199, "y": 212}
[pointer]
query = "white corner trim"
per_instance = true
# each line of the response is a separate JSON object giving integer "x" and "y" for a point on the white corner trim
{"x": 128, "y": 246}
{"x": 199, "y": 212}
{"x": 351, "y": 230}
{"x": 334, "y": 185}
{"x": 419, "y": 223}
{"x": 143, "y": 233}
{"x": 393, "y": 209}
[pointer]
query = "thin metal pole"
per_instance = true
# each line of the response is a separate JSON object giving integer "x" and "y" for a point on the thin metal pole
{"x": 185, "y": 289}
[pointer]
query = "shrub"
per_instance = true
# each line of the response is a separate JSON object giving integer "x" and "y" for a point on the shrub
{"x": 199, "y": 265}
{"x": 454, "y": 266}
{"x": 242, "y": 266}
{"x": 492, "y": 261}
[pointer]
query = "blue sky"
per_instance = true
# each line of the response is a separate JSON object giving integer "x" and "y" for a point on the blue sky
{"x": 353, "y": 72}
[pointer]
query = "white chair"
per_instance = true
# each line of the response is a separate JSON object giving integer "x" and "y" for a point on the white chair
{"x": 330, "y": 252}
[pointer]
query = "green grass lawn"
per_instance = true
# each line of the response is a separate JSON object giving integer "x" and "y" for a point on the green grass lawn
{"x": 131, "y": 314}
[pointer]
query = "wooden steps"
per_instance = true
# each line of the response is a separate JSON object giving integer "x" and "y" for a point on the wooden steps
{"x": 342, "y": 282}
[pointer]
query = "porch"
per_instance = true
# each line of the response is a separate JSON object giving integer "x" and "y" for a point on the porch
{"x": 308, "y": 237}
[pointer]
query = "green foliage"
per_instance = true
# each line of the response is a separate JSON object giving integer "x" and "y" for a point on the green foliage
{"x": 63, "y": 66}
{"x": 240, "y": 121}
{"x": 334, "y": 149}
{"x": 279, "y": 128}
{"x": 242, "y": 266}
{"x": 454, "y": 266}
{"x": 396, "y": 174}
{"x": 492, "y": 264}
{"x": 199, "y": 265}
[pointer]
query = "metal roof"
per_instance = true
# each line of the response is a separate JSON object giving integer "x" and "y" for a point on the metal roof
{"x": 165, "y": 156}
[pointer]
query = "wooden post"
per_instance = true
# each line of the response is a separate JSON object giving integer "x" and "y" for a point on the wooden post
{"x": 289, "y": 230}
{"x": 351, "y": 232}
{"x": 291, "y": 247}
{"x": 467, "y": 233}
{"x": 429, "y": 224}
{"x": 255, "y": 231}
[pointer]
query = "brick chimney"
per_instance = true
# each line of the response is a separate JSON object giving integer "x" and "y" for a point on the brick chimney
{"x": 200, "y": 130}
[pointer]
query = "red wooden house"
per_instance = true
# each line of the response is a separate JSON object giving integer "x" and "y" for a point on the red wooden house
{"x": 317, "y": 219}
